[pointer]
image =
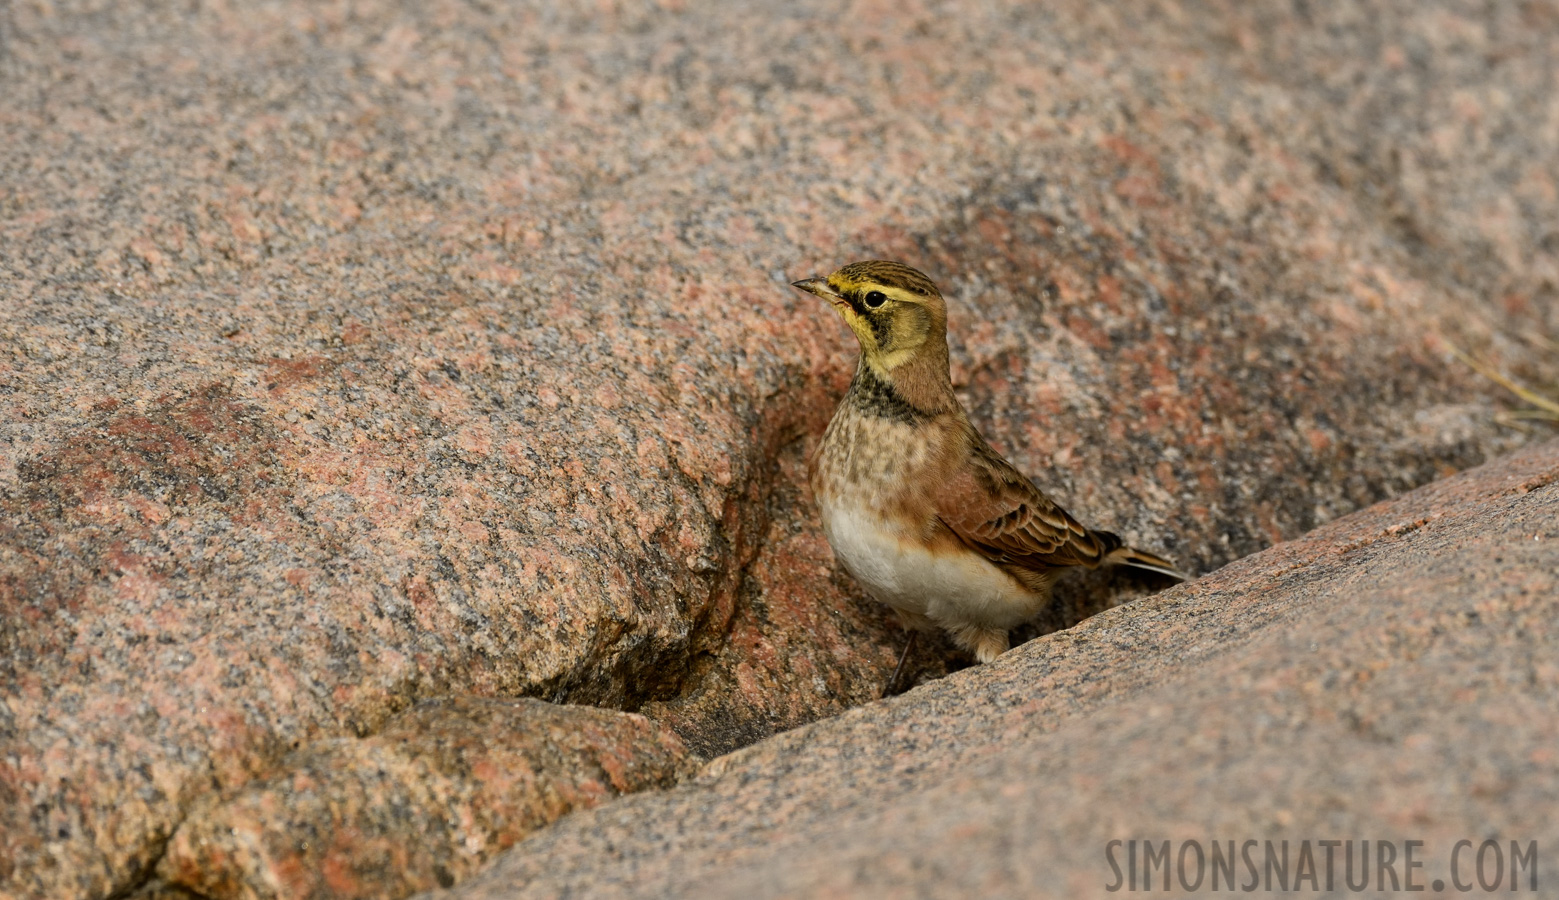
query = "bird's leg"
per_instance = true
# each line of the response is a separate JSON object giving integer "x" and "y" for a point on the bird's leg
{"x": 893, "y": 680}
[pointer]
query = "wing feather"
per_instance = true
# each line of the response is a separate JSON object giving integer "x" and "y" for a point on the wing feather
{"x": 991, "y": 507}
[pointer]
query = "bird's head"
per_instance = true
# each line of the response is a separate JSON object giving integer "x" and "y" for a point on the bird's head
{"x": 896, "y": 312}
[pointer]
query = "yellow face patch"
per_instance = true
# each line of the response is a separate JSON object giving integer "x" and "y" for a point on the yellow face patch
{"x": 890, "y": 322}
{"x": 891, "y": 308}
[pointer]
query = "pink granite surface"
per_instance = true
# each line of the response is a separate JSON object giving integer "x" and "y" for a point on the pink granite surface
{"x": 354, "y": 354}
{"x": 441, "y": 790}
{"x": 1388, "y": 677}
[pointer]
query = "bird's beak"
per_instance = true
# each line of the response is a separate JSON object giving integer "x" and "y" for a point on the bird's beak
{"x": 821, "y": 287}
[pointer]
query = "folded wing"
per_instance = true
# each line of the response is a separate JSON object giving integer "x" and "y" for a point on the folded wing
{"x": 998, "y": 512}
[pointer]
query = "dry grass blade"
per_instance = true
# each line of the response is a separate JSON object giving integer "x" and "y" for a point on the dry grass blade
{"x": 1540, "y": 342}
{"x": 1545, "y": 409}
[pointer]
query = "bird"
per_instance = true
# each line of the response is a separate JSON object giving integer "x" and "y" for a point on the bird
{"x": 917, "y": 506}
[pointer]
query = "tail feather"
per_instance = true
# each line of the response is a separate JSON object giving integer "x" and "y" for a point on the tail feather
{"x": 1141, "y": 559}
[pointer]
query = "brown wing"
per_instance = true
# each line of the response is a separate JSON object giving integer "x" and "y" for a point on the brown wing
{"x": 998, "y": 512}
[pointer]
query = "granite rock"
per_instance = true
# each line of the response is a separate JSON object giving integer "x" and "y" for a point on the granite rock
{"x": 353, "y": 354}
{"x": 1388, "y": 677}
{"x": 440, "y": 790}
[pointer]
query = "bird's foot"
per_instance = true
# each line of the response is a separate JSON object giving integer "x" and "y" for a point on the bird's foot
{"x": 985, "y": 643}
{"x": 990, "y": 644}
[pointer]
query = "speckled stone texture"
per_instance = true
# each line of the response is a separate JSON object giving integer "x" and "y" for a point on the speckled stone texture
{"x": 353, "y": 354}
{"x": 421, "y": 804}
{"x": 1390, "y": 676}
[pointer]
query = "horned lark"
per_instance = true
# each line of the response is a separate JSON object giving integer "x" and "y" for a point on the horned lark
{"x": 917, "y": 506}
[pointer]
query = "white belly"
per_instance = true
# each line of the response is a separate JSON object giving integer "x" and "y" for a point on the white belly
{"x": 950, "y": 588}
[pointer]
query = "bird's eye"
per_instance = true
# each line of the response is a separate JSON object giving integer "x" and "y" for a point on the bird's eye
{"x": 875, "y": 299}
